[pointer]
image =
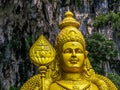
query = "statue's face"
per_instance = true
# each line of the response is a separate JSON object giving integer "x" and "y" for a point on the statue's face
{"x": 72, "y": 57}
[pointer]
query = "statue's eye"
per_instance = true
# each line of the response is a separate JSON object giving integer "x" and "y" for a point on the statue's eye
{"x": 77, "y": 50}
{"x": 68, "y": 51}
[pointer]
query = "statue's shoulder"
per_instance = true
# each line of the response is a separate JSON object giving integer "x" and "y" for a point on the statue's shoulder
{"x": 103, "y": 83}
{"x": 108, "y": 82}
{"x": 32, "y": 83}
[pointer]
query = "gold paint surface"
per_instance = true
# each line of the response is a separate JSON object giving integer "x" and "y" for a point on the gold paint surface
{"x": 42, "y": 52}
{"x": 71, "y": 68}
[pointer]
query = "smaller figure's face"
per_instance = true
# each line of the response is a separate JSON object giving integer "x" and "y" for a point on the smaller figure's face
{"x": 72, "y": 57}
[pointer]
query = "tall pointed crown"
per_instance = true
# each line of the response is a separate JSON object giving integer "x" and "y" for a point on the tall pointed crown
{"x": 69, "y": 31}
{"x": 69, "y": 21}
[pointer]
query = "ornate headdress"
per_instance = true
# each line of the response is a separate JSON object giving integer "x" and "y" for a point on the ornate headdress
{"x": 69, "y": 31}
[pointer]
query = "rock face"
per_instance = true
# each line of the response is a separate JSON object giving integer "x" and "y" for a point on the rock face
{"x": 22, "y": 21}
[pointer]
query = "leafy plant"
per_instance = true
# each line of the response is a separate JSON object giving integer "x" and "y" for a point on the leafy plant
{"x": 100, "y": 21}
{"x": 115, "y": 78}
{"x": 100, "y": 50}
{"x": 112, "y": 19}
{"x": 13, "y": 88}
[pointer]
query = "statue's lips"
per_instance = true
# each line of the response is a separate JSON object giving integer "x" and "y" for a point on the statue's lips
{"x": 74, "y": 61}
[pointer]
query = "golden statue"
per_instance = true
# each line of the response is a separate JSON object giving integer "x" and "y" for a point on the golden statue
{"x": 68, "y": 68}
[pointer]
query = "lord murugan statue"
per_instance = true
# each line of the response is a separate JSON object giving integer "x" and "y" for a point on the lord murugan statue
{"x": 66, "y": 67}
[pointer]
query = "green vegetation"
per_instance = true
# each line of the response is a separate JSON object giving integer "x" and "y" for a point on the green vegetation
{"x": 13, "y": 88}
{"x": 101, "y": 50}
{"x": 115, "y": 78}
{"x": 112, "y": 19}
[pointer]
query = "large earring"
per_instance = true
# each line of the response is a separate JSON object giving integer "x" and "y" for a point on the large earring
{"x": 86, "y": 67}
{"x": 90, "y": 70}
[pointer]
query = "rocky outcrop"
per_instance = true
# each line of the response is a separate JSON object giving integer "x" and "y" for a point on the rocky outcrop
{"x": 21, "y": 22}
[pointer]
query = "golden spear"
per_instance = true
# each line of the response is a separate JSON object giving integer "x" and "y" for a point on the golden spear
{"x": 41, "y": 54}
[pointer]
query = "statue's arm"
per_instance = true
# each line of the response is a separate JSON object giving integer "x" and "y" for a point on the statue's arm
{"x": 108, "y": 82}
{"x": 103, "y": 83}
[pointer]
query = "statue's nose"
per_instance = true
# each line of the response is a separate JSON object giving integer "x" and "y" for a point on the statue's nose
{"x": 73, "y": 53}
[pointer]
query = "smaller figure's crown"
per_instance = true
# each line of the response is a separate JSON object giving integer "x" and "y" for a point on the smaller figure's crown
{"x": 69, "y": 21}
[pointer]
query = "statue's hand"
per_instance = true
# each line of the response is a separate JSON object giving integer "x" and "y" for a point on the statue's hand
{"x": 37, "y": 88}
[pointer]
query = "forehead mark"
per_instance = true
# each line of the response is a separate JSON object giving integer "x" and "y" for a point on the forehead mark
{"x": 73, "y": 44}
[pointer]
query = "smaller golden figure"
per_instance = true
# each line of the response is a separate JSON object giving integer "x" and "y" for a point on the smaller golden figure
{"x": 69, "y": 68}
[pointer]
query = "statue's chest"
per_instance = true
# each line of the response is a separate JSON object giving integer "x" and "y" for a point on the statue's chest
{"x": 74, "y": 85}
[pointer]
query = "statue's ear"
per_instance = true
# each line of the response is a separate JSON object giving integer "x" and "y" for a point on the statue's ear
{"x": 86, "y": 52}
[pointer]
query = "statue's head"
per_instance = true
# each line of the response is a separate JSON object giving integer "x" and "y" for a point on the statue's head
{"x": 72, "y": 56}
{"x": 70, "y": 45}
